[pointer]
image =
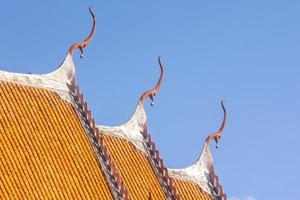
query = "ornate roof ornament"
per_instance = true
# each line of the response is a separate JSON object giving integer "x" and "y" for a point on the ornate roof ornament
{"x": 200, "y": 172}
{"x": 133, "y": 128}
{"x": 217, "y": 135}
{"x": 66, "y": 72}
{"x": 151, "y": 93}
{"x": 82, "y": 44}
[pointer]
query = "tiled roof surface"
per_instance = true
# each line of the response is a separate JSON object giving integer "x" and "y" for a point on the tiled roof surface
{"x": 188, "y": 190}
{"x": 135, "y": 169}
{"x": 44, "y": 150}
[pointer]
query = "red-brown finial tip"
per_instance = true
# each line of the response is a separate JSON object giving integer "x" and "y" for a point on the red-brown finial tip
{"x": 216, "y": 136}
{"x": 149, "y": 195}
{"x": 81, "y": 45}
{"x": 151, "y": 93}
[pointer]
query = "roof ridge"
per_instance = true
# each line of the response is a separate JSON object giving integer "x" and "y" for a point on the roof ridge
{"x": 104, "y": 158}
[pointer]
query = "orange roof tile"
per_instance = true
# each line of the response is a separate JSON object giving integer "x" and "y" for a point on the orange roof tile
{"x": 188, "y": 190}
{"x": 135, "y": 169}
{"x": 44, "y": 150}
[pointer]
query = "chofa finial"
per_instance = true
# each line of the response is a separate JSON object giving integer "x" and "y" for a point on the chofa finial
{"x": 81, "y": 45}
{"x": 151, "y": 93}
{"x": 216, "y": 136}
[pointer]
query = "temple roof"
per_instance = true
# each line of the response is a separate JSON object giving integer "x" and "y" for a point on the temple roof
{"x": 51, "y": 147}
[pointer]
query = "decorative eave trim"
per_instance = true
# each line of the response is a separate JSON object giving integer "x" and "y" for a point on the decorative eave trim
{"x": 103, "y": 156}
{"x": 105, "y": 160}
{"x": 167, "y": 181}
{"x": 218, "y": 190}
{"x": 201, "y": 172}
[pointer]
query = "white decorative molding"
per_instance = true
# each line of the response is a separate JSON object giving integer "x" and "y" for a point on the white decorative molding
{"x": 65, "y": 72}
{"x": 198, "y": 172}
{"x": 56, "y": 81}
{"x": 131, "y": 130}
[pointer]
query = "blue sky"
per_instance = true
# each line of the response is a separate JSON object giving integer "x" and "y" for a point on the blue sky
{"x": 245, "y": 52}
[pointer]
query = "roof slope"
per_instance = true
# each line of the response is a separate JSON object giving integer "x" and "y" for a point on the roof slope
{"x": 135, "y": 169}
{"x": 44, "y": 150}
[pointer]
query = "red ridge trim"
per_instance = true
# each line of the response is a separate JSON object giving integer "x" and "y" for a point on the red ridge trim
{"x": 82, "y": 44}
{"x": 160, "y": 165}
{"x": 110, "y": 168}
{"x": 217, "y": 187}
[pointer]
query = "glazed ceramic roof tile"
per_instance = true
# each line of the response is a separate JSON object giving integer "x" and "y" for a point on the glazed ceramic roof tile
{"x": 189, "y": 190}
{"x": 45, "y": 152}
{"x": 135, "y": 169}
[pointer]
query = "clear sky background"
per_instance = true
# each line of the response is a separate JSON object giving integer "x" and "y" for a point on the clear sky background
{"x": 245, "y": 52}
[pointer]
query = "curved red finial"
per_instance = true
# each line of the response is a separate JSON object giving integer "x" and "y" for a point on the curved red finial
{"x": 216, "y": 136}
{"x": 84, "y": 43}
{"x": 151, "y": 93}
